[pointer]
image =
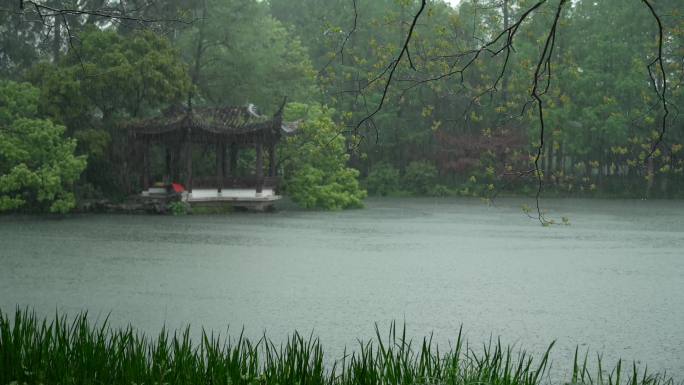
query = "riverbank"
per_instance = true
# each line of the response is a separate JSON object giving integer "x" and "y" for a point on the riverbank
{"x": 66, "y": 350}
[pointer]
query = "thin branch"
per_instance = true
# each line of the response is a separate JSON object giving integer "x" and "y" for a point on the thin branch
{"x": 544, "y": 69}
{"x": 118, "y": 15}
{"x": 488, "y": 47}
{"x": 660, "y": 91}
{"x": 340, "y": 52}
{"x": 393, "y": 67}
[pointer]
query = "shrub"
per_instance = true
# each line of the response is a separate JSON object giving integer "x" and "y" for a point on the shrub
{"x": 439, "y": 190}
{"x": 313, "y": 188}
{"x": 383, "y": 179}
{"x": 420, "y": 177}
{"x": 316, "y": 175}
{"x": 178, "y": 208}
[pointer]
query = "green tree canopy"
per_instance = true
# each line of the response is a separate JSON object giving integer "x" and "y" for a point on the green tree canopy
{"x": 108, "y": 74}
{"x": 37, "y": 163}
{"x": 314, "y": 160}
{"x": 238, "y": 53}
{"x": 105, "y": 79}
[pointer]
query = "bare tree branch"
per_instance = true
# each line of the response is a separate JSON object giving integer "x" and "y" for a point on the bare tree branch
{"x": 392, "y": 67}
{"x": 348, "y": 35}
{"x": 543, "y": 69}
{"x": 50, "y": 11}
{"x": 662, "y": 90}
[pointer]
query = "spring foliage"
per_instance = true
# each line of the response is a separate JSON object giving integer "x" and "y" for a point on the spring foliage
{"x": 37, "y": 162}
{"x": 316, "y": 174}
{"x": 602, "y": 115}
{"x": 383, "y": 179}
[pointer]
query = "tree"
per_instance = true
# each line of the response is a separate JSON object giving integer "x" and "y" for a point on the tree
{"x": 469, "y": 86}
{"x": 37, "y": 163}
{"x": 239, "y": 54}
{"x": 119, "y": 75}
{"x": 102, "y": 81}
{"x": 466, "y": 89}
{"x": 383, "y": 179}
{"x": 314, "y": 160}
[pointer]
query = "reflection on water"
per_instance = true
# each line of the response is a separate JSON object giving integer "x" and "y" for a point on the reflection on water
{"x": 612, "y": 282}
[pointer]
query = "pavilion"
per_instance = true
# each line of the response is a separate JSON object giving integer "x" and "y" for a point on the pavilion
{"x": 226, "y": 130}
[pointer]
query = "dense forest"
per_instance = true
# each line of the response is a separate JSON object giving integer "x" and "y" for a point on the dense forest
{"x": 456, "y": 119}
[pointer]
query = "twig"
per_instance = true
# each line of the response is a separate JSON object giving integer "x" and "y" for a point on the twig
{"x": 393, "y": 67}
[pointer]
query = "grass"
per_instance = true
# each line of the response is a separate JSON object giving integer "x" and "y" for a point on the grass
{"x": 60, "y": 351}
{"x": 199, "y": 209}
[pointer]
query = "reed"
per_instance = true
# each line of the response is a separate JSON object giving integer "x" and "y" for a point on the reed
{"x": 76, "y": 351}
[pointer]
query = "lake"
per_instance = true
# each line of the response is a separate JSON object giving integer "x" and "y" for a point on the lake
{"x": 611, "y": 282}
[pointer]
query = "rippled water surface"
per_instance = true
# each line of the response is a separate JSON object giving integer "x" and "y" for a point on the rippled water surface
{"x": 611, "y": 282}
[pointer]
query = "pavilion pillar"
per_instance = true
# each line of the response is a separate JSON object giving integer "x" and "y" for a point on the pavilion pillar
{"x": 168, "y": 167}
{"x": 259, "y": 168}
{"x": 220, "y": 163}
{"x": 146, "y": 164}
{"x": 188, "y": 165}
{"x": 225, "y": 166}
{"x": 233, "y": 159}
{"x": 272, "y": 160}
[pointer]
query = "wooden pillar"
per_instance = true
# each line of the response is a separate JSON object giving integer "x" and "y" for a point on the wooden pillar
{"x": 146, "y": 164}
{"x": 167, "y": 165}
{"x": 220, "y": 162}
{"x": 259, "y": 168}
{"x": 233, "y": 159}
{"x": 188, "y": 165}
{"x": 177, "y": 164}
{"x": 224, "y": 166}
{"x": 272, "y": 160}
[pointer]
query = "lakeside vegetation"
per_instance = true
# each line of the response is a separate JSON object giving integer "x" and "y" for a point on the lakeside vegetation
{"x": 75, "y": 351}
{"x": 452, "y": 123}
{"x": 119, "y": 105}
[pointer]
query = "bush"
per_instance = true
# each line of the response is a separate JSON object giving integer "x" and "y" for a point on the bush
{"x": 178, "y": 208}
{"x": 383, "y": 179}
{"x": 37, "y": 163}
{"x": 310, "y": 187}
{"x": 316, "y": 175}
{"x": 439, "y": 190}
{"x": 420, "y": 177}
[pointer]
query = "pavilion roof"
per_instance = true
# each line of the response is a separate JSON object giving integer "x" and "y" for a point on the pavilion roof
{"x": 241, "y": 123}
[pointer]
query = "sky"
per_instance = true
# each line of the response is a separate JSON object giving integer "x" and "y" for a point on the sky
{"x": 453, "y": 2}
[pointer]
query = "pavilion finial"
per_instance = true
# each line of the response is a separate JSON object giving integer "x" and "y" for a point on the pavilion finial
{"x": 252, "y": 109}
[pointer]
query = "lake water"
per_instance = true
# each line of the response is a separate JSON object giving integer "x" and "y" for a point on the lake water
{"x": 611, "y": 282}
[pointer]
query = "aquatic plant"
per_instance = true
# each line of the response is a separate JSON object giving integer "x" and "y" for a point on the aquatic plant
{"x": 178, "y": 208}
{"x": 38, "y": 351}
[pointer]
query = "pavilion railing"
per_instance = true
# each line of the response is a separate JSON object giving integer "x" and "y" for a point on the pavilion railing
{"x": 270, "y": 182}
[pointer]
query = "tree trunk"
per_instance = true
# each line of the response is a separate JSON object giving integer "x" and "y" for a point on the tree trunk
{"x": 649, "y": 176}
{"x": 57, "y": 39}
{"x": 195, "y": 76}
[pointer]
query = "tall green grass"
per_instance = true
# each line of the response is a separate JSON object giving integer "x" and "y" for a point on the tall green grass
{"x": 63, "y": 351}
